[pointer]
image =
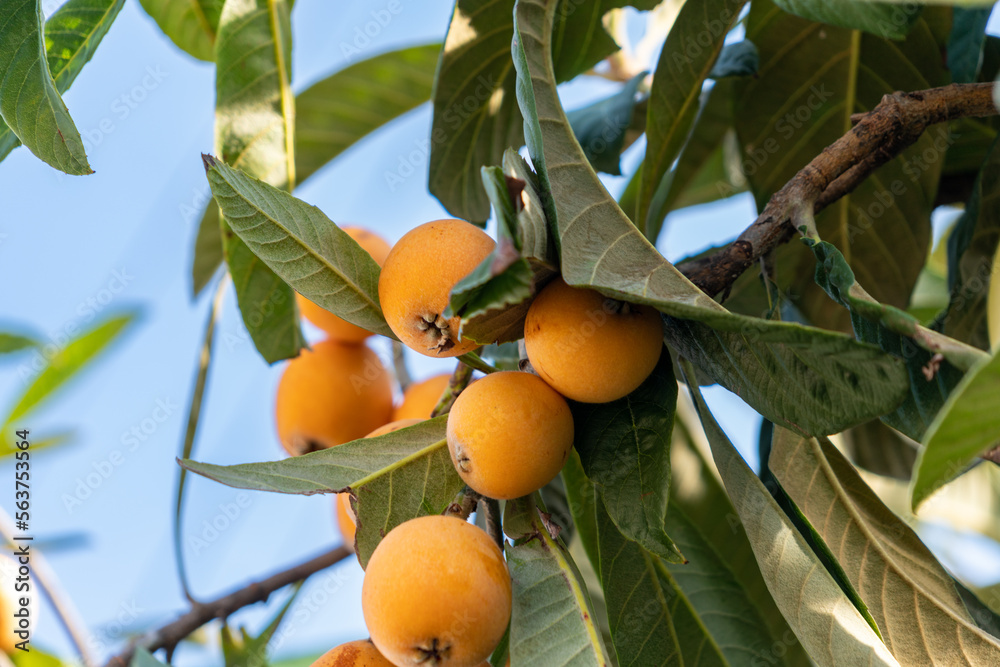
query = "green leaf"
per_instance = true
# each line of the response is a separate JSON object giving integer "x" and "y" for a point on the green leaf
{"x": 642, "y": 600}
{"x": 254, "y": 116}
{"x": 600, "y": 127}
{"x": 967, "y": 425}
{"x": 965, "y": 45}
{"x": 247, "y": 649}
{"x": 425, "y": 483}
{"x": 332, "y": 470}
{"x": 317, "y": 258}
{"x": 737, "y": 59}
{"x": 825, "y": 621}
{"x": 69, "y": 361}
{"x": 143, "y": 658}
{"x": 493, "y": 299}
{"x": 71, "y": 38}
{"x": 692, "y": 46}
{"x": 192, "y": 25}
{"x": 894, "y": 331}
{"x": 331, "y": 116}
{"x": 29, "y": 100}
{"x": 836, "y": 381}
{"x": 971, "y": 246}
{"x": 879, "y": 19}
{"x": 625, "y": 449}
{"x": 44, "y": 442}
{"x": 698, "y": 494}
{"x": 12, "y": 342}
{"x": 812, "y": 78}
{"x": 552, "y": 618}
{"x": 912, "y": 599}
{"x": 701, "y": 173}
{"x": 476, "y": 116}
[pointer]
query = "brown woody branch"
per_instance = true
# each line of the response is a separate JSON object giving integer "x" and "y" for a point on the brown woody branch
{"x": 170, "y": 635}
{"x": 892, "y": 126}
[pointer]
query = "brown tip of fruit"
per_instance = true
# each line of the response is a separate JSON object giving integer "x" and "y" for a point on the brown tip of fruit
{"x": 462, "y": 462}
{"x": 437, "y": 331}
{"x": 435, "y": 654}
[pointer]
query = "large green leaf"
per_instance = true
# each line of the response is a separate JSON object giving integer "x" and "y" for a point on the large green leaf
{"x": 331, "y": 116}
{"x": 332, "y": 470}
{"x": 967, "y": 425}
{"x": 971, "y": 246}
{"x": 476, "y": 115}
{"x": 918, "y": 610}
{"x": 254, "y": 117}
{"x": 71, "y": 38}
{"x": 192, "y": 25}
{"x": 834, "y": 382}
{"x": 894, "y": 331}
{"x": 625, "y": 449}
{"x": 697, "y": 493}
{"x": 600, "y": 127}
{"x": 879, "y": 19}
{"x": 643, "y": 600}
{"x": 552, "y": 618}
{"x": 828, "y": 625}
{"x": 694, "y": 42}
{"x": 317, "y": 258}
{"x": 29, "y": 100}
{"x": 67, "y": 362}
{"x": 812, "y": 78}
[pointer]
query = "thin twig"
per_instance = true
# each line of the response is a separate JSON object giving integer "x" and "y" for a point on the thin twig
{"x": 464, "y": 504}
{"x": 48, "y": 583}
{"x": 191, "y": 431}
{"x": 456, "y": 385}
{"x": 477, "y": 363}
{"x": 168, "y": 636}
{"x": 895, "y": 124}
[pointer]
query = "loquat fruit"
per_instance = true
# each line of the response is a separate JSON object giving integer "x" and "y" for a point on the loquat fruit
{"x": 359, "y": 653}
{"x": 417, "y": 278}
{"x": 588, "y": 347}
{"x": 335, "y": 327}
{"x": 436, "y": 592}
{"x": 420, "y": 398}
{"x": 509, "y": 434}
{"x": 347, "y": 524}
{"x": 330, "y": 395}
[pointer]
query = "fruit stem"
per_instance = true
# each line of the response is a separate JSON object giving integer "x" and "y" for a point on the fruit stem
{"x": 463, "y": 504}
{"x": 456, "y": 385}
{"x": 490, "y": 509}
{"x": 477, "y": 363}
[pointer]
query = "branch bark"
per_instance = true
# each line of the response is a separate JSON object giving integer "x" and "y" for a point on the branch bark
{"x": 892, "y": 126}
{"x": 170, "y": 635}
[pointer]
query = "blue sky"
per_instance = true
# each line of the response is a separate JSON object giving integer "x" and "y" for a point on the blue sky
{"x": 75, "y": 247}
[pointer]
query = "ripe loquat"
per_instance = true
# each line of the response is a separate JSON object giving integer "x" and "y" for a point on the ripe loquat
{"x": 330, "y": 395}
{"x": 420, "y": 398}
{"x": 360, "y": 653}
{"x": 509, "y": 434}
{"x": 436, "y": 592}
{"x": 417, "y": 278}
{"x": 335, "y": 327}
{"x": 588, "y": 347}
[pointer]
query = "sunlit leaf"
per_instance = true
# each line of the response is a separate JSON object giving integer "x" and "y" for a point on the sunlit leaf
{"x": 192, "y": 25}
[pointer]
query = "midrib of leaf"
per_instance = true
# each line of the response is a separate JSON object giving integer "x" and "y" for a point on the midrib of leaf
{"x": 88, "y": 37}
{"x": 661, "y": 570}
{"x": 593, "y": 634}
{"x": 199, "y": 14}
{"x": 287, "y": 99}
{"x": 410, "y": 458}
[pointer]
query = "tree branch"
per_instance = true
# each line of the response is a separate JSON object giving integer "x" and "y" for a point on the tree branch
{"x": 892, "y": 126}
{"x": 170, "y": 635}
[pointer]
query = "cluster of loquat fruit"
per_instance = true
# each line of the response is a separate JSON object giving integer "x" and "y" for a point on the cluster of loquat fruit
{"x": 508, "y": 433}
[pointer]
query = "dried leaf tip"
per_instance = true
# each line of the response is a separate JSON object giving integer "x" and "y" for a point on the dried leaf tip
{"x": 209, "y": 161}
